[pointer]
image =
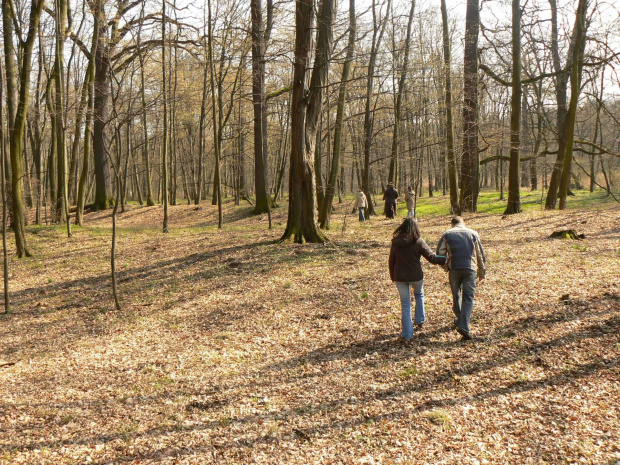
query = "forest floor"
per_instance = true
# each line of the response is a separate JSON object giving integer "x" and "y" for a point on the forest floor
{"x": 231, "y": 348}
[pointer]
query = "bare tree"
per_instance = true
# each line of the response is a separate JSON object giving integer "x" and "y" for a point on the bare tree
{"x": 326, "y": 209}
{"x": 305, "y": 109}
{"x": 454, "y": 201}
{"x": 470, "y": 159}
{"x": 17, "y": 114}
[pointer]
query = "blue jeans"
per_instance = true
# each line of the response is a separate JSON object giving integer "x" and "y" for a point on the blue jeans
{"x": 361, "y": 209}
{"x": 405, "y": 303}
{"x": 463, "y": 285}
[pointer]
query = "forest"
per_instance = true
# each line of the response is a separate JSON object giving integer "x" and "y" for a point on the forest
{"x": 185, "y": 279}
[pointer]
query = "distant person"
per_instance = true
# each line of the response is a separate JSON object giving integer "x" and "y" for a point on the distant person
{"x": 406, "y": 270}
{"x": 361, "y": 203}
{"x": 466, "y": 261}
{"x": 390, "y": 195}
{"x": 410, "y": 199}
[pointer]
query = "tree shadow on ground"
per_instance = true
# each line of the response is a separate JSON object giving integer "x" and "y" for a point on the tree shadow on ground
{"x": 444, "y": 379}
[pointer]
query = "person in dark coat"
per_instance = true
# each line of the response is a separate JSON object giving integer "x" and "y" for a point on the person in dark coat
{"x": 406, "y": 271}
{"x": 390, "y": 195}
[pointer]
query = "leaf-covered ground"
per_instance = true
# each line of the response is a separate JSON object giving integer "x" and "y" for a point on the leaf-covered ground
{"x": 233, "y": 349}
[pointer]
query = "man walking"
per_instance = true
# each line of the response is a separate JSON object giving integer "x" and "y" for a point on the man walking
{"x": 466, "y": 260}
{"x": 390, "y": 195}
{"x": 360, "y": 203}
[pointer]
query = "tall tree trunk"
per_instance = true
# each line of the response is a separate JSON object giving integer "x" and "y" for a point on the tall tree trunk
{"x": 103, "y": 184}
{"x": 305, "y": 108}
{"x": 259, "y": 44}
{"x": 63, "y": 186}
{"x": 470, "y": 160}
{"x": 318, "y": 163}
{"x": 164, "y": 185}
{"x": 5, "y": 256}
{"x": 216, "y": 135}
{"x": 145, "y": 133}
{"x": 86, "y": 102}
{"x": 514, "y": 169}
{"x": 402, "y": 80}
{"x": 19, "y": 113}
{"x": 447, "y": 59}
{"x": 575, "y": 89}
{"x": 597, "y": 124}
{"x": 202, "y": 145}
{"x": 378, "y": 30}
{"x": 539, "y": 137}
{"x": 561, "y": 98}
{"x": 326, "y": 210}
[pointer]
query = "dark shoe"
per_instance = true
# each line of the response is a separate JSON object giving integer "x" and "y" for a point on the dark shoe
{"x": 465, "y": 334}
{"x": 418, "y": 325}
{"x": 404, "y": 341}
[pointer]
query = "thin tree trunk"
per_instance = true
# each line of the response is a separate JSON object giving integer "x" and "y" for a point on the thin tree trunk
{"x": 164, "y": 186}
{"x": 5, "y": 256}
{"x": 514, "y": 169}
{"x": 454, "y": 195}
{"x": 218, "y": 186}
{"x": 399, "y": 99}
{"x": 561, "y": 97}
{"x": 145, "y": 133}
{"x": 63, "y": 187}
{"x": 575, "y": 88}
{"x": 19, "y": 113}
{"x": 259, "y": 44}
{"x": 470, "y": 159}
{"x": 326, "y": 210}
{"x": 377, "y": 36}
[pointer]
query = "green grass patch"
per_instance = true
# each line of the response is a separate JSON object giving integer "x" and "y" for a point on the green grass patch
{"x": 490, "y": 203}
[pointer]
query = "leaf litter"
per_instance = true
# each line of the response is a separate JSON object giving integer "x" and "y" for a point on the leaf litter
{"x": 231, "y": 348}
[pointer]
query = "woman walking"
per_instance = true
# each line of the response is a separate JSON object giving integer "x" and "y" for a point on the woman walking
{"x": 406, "y": 271}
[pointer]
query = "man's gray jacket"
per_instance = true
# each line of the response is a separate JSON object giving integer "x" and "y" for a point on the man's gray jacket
{"x": 463, "y": 248}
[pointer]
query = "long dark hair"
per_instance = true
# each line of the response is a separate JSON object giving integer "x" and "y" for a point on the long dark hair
{"x": 410, "y": 228}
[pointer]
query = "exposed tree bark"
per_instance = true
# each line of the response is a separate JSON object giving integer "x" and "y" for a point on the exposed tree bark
{"x": 514, "y": 168}
{"x": 402, "y": 81}
{"x": 470, "y": 159}
{"x": 259, "y": 44}
{"x": 18, "y": 114}
{"x": 5, "y": 256}
{"x": 306, "y": 107}
{"x": 63, "y": 178}
{"x": 597, "y": 124}
{"x": 103, "y": 185}
{"x": 164, "y": 186}
{"x": 325, "y": 213}
{"x": 454, "y": 195}
{"x": 561, "y": 85}
{"x": 216, "y": 132}
{"x": 86, "y": 103}
{"x": 575, "y": 89}
{"x": 202, "y": 146}
{"x": 145, "y": 133}
{"x": 377, "y": 36}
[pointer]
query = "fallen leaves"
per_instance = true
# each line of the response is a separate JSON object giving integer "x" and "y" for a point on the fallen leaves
{"x": 233, "y": 349}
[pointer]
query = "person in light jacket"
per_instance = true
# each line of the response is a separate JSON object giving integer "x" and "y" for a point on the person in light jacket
{"x": 406, "y": 271}
{"x": 410, "y": 199}
{"x": 466, "y": 261}
{"x": 360, "y": 203}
